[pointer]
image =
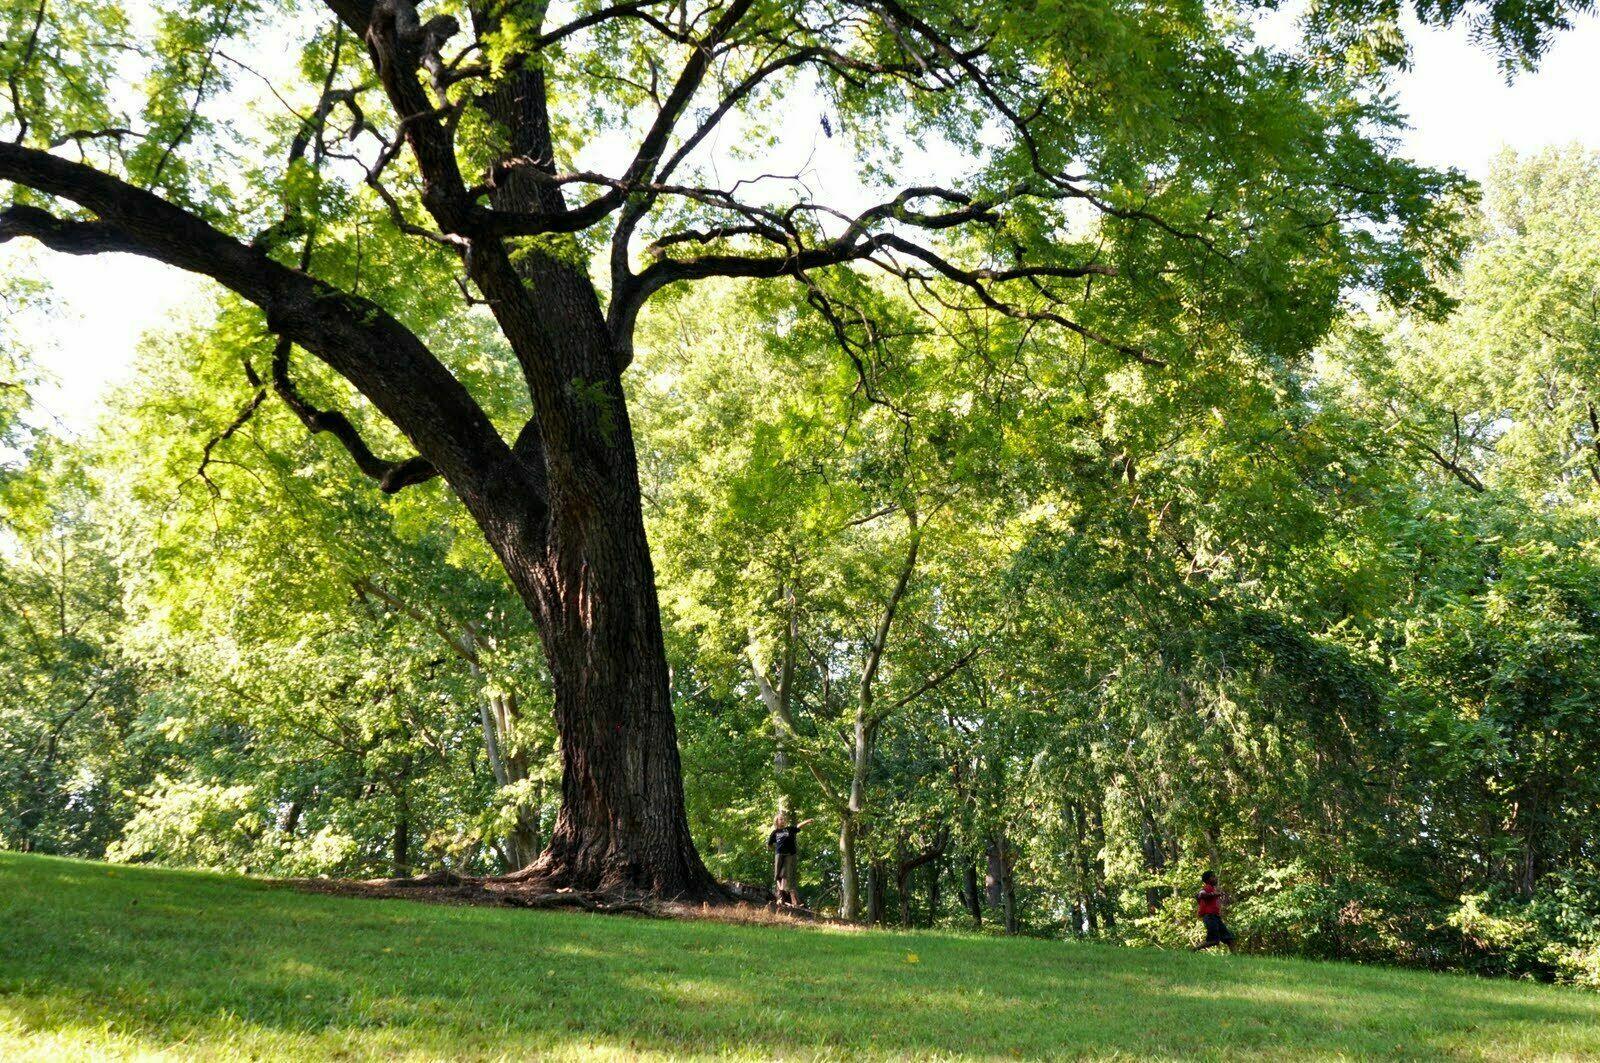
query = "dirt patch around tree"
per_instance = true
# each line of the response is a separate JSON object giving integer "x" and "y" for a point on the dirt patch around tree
{"x": 745, "y": 904}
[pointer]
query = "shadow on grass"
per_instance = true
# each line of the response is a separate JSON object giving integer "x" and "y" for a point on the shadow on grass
{"x": 140, "y": 960}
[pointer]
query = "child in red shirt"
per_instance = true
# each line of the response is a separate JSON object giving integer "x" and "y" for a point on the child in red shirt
{"x": 1209, "y": 909}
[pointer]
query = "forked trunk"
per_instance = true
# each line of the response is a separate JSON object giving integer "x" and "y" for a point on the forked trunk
{"x": 578, "y": 556}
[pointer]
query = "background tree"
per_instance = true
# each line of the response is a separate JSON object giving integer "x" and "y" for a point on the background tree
{"x": 348, "y": 671}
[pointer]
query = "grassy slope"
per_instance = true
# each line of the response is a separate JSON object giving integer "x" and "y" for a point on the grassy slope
{"x": 98, "y": 960}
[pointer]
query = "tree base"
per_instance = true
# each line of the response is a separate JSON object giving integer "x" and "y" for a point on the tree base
{"x": 734, "y": 902}
{"x": 571, "y": 866}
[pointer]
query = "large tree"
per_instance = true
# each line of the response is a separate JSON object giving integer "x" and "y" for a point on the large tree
{"x": 1129, "y": 176}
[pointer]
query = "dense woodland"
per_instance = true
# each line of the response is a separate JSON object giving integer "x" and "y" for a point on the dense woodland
{"x": 1189, "y": 482}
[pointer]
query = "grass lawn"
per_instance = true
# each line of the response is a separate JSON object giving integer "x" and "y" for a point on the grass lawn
{"x": 99, "y": 960}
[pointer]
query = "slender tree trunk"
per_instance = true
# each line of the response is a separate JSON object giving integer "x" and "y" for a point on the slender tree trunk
{"x": 32, "y": 814}
{"x": 1529, "y": 872}
{"x": 1000, "y": 884}
{"x": 1084, "y": 850}
{"x": 1155, "y": 859}
{"x": 509, "y": 766}
{"x": 934, "y": 876}
{"x": 902, "y": 887}
{"x": 969, "y": 891}
{"x": 525, "y": 830}
{"x": 994, "y": 875}
{"x": 777, "y": 697}
{"x": 861, "y": 762}
{"x": 400, "y": 844}
{"x": 907, "y": 865}
{"x": 876, "y": 873}
{"x": 865, "y": 729}
{"x": 849, "y": 890}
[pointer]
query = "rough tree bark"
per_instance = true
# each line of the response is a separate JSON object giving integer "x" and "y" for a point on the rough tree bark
{"x": 586, "y": 574}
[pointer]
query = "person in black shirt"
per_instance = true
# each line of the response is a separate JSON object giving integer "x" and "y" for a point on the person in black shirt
{"x": 783, "y": 841}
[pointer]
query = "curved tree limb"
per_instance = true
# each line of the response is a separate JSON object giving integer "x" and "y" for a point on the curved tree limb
{"x": 356, "y": 338}
{"x": 392, "y": 476}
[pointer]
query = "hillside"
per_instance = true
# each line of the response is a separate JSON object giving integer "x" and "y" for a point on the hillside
{"x": 99, "y": 960}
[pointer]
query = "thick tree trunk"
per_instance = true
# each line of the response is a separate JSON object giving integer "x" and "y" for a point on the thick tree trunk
{"x": 580, "y": 560}
{"x": 994, "y": 874}
{"x": 577, "y": 555}
{"x": 561, "y": 507}
{"x": 622, "y": 823}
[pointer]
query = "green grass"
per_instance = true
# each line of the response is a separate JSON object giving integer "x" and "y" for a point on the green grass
{"x": 99, "y": 960}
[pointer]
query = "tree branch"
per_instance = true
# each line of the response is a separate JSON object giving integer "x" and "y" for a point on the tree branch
{"x": 64, "y": 235}
{"x": 935, "y": 680}
{"x": 357, "y": 338}
{"x": 247, "y": 411}
{"x": 462, "y": 646}
{"x": 392, "y": 476}
{"x": 880, "y": 637}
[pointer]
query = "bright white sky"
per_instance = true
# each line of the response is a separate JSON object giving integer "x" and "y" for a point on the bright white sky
{"x": 1462, "y": 113}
